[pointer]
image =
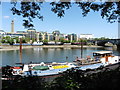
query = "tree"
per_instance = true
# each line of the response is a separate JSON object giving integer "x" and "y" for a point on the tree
{"x": 27, "y": 39}
{"x": 17, "y": 39}
{"x": 45, "y": 40}
{"x": 3, "y": 40}
{"x": 31, "y": 10}
{"x": 11, "y": 41}
{"x": 61, "y": 39}
{"x": 8, "y": 39}
{"x": 76, "y": 79}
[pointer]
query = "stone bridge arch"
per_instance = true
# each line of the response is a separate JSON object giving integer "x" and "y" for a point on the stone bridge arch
{"x": 103, "y": 42}
{"x": 115, "y": 42}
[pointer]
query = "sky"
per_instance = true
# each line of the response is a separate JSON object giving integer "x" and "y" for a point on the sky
{"x": 72, "y": 22}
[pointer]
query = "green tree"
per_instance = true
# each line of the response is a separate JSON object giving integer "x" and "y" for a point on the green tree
{"x": 17, "y": 39}
{"x": 33, "y": 40}
{"x": 27, "y": 39}
{"x": 7, "y": 37}
{"x": 45, "y": 40}
{"x": 61, "y": 39}
{"x": 10, "y": 41}
{"x": 3, "y": 40}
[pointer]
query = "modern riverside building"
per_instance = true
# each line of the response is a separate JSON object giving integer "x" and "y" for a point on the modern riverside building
{"x": 37, "y": 36}
{"x": 50, "y": 35}
{"x": 43, "y": 36}
{"x": 13, "y": 35}
{"x": 86, "y": 36}
{"x": 56, "y": 35}
{"x": 46, "y": 36}
{"x": 2, "y": 33}
{"x": 31, "y": 33}
{"x": 72, "y": 37}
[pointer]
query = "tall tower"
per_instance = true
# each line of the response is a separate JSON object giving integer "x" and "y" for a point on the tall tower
{"x": 12, "y": 26}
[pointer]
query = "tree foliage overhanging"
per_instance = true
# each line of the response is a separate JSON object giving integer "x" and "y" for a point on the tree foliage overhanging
{"x": 30, "y": 10}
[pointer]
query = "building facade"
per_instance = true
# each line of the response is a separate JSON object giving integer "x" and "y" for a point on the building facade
{"x": 31, "y": 33}
{"x": 86, "y": 36}
{"x": 72, "y": 37}
{"x": 56, "y": 35}
{"x": 2, "y": 33}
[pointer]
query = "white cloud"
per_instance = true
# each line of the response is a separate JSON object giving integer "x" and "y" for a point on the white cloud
{"x": 6, "y": 17}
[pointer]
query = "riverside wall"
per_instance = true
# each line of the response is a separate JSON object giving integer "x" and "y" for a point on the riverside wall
{"x": 11, "y": 47}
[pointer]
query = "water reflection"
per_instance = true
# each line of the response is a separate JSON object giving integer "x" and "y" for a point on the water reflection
{"x": 48, "y": 55}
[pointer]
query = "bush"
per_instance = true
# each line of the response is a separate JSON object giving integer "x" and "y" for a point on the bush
{"x": 73, "y": 79}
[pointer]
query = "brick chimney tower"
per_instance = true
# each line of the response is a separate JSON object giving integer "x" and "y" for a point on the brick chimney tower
{"x": 12, "y": 26}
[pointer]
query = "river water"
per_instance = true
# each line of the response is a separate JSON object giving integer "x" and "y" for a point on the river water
{"x": 48, "y": 54}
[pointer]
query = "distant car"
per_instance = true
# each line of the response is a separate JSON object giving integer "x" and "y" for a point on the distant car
{"x": 37, "y": 43}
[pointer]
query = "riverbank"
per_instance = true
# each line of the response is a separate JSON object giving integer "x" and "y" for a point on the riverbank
{"x": 10, "y": 47}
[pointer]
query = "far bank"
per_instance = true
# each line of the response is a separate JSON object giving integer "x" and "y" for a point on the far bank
{"x": 11, "y": 47}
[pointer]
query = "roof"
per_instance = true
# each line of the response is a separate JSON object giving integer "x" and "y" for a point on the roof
{"x": 2, "y": 31}
{"x": 31, "y": 29}
{"x": 103, "y": 52}
{"x": 86, "y": 34}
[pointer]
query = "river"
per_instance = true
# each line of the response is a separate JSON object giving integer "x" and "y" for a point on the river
{"x": 38, "y": 54}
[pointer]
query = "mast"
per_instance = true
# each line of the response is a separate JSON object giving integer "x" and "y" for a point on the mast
{"x": 81, "y": 49}
{"x": 20, "y": 50}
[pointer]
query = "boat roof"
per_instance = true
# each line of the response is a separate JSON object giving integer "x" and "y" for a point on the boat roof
{"x": 103, "y": 52}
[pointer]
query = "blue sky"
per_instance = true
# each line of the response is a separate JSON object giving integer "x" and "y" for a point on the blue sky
{"x": 72, "y": 22}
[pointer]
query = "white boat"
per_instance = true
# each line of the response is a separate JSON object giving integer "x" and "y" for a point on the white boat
{"x": 37, "y": 43}
{"x": 51, "y": 43}
{"x": 43, "y": 69}
{"x": 100, "y": 58}
{"x": 0, "y": 47}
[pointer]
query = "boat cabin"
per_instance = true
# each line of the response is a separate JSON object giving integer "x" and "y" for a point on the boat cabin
{"x": 106, "y": 57}
{"x": 100, "y": 54}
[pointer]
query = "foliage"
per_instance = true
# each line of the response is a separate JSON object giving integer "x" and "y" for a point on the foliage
{"x": 73, "y": 79}
{"x": 45, "y": 40}
{"x": 61, "y": 39}
{"x": 66, "y": 41}
{"x": 11, "y": 41}
{"x": 31, "y": 10}
{"x": 27, "y": 39}
{"x": 77, "y": 79}
{"x": 26, "y": 83}
{"x": 102, "y": 38}
{"x": 17, "y": 39}
{"x": 8, "y": 39}
{"x": 82, "y": 40}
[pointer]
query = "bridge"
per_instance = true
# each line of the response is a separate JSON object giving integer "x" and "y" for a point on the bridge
{"x": 113, "y": 41}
